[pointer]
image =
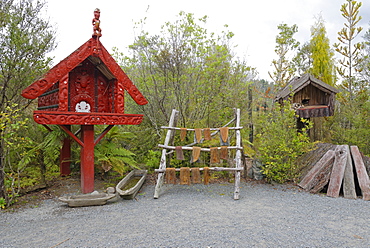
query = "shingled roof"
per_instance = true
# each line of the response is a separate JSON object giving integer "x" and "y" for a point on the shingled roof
{"x": 298, "y": 83}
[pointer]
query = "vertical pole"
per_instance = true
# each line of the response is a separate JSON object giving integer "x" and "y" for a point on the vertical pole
{"x": 250, "y": 112}
{"x": 87, "y": 159}
{"x": 65, "y": 156}
{"x": 162, "y": 165}
{"x": 238, "y": 156}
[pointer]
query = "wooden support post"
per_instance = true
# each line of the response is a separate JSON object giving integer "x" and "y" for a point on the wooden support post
{"x": 87, "y": 159}
{"x": 65, "y": 157}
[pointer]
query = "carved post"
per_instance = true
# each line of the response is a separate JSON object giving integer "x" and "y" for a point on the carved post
{"x": 65, "y": 156}
{"x": 87, "y": 159}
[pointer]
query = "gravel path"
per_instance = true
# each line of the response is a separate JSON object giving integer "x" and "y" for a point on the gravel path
{"x": 195, "y": 216}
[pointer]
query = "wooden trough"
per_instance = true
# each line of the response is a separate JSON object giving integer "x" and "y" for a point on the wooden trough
{"x": 339, "y": 169}
{"x": 130, "y": 185}
{"x": 84, "y": 200}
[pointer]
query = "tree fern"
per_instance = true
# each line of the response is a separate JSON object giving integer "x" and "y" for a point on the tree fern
{"x": 111, "y": 153}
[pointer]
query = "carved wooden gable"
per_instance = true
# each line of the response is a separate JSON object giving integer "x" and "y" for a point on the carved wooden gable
{"x": 85, "y": 88}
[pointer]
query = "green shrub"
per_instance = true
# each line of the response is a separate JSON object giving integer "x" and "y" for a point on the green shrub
{"x": 279, "y": 143}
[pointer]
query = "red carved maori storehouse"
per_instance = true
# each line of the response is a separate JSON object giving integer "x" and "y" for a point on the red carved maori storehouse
{"x": 86, "y": 88}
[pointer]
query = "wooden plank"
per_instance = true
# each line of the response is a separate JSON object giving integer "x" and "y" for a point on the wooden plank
{"x": 349, "y": 190}
{"x": 322, "y": 179}
{"x": 315, "y": 174}
{"x": 337, "y": 173}
{"x": 362, "y": 176}
{"x": 366, "y": 163}
{"x": 309, "y": 159}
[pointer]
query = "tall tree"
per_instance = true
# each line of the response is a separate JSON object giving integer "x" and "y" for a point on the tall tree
{"x": 350, "y": 124}
{"x": 348, "y": 48}
{"x": 25, "y": 38}
{"x": 187, "y": 68}
{"x": 321, "y": 54}
{"x": 364, "y": 66}
{"x": 284, "y": 67}
{"x": 303, "y": 59}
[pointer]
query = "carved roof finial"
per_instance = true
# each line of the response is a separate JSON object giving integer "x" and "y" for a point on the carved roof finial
{"x": 96, "y": 23}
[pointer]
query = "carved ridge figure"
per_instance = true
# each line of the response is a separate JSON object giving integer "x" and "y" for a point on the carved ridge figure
{"x": 96, "y": 23}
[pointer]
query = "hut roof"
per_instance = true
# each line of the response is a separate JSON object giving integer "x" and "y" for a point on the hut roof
{"x": 298, "y": 83}
{"x": 95, "y": 52}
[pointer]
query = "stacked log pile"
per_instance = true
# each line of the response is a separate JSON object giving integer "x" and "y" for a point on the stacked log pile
{"x": 341, "y": 169}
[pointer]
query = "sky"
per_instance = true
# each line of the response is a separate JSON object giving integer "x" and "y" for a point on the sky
{"x": 254, "y": 23}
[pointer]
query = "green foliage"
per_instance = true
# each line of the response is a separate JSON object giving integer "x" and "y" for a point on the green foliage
{"x": 303, "y": 59}
{"x": 322, "y": 55}
{"x": 111, "y": 153}
{"x": 25, "y": 39}
{"x": 187, "y": 68}
{"x": 350, "y": 124}
{"x": 14, "y": 146}
{"x": 279, "y": 143}
{"x": 284, "y": 68}
{"x": 2, "y": 203}
{"x": 364, "y": 66}
{"x": 152, "y": 160}
{"x": 27, "y": 162}
{"x": 350, "y": 50}
{"x": 41, "y": 161}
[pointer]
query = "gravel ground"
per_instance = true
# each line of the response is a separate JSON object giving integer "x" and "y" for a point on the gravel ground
{"x": 195, "y": 216}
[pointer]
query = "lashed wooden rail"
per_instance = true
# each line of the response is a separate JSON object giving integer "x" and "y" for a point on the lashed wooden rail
{"x": 171, "y": 128}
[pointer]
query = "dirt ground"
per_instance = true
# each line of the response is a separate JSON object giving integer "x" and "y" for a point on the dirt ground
{"x": 72, "y": 185}
{"x": 58, "y": 187}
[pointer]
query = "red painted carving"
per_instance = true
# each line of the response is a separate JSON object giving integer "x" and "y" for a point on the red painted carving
{"x": 60, "y": 70}
{"x": 122, "y": 77}
{"x": 92, "y": 47}
{"x": 105, "y": 95}
{"x": 119, "y": 92}
{"x": 96, "y": 23}
{"x": 63, "y": 94}
{"x": 81, "y": 86}
{"x": 66, "y": 118}
{"x": 49, "y": 98}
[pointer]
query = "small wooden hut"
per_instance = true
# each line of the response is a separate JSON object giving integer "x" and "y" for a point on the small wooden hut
{"x": 311, "y": 96}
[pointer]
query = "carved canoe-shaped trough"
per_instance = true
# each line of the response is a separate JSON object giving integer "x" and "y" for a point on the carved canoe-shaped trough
{"x": 94, "y": 199}
{"x": 130, "y": 185}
